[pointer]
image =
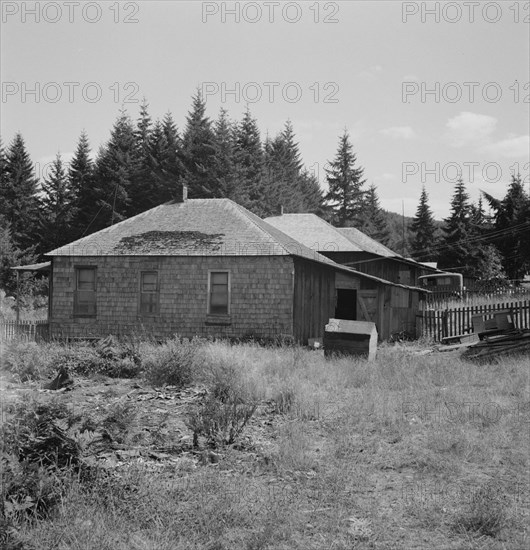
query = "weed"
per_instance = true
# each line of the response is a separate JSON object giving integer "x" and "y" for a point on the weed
{"x": 485, "y": 515}
{"x": 173, "y": 363}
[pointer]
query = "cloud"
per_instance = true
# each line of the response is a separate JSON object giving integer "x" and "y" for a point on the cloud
{"x": 511, "y": 147}
{"x": 399, "y": 132}
{"x": 371, "y": 72}
{"x": 470, "y": 130}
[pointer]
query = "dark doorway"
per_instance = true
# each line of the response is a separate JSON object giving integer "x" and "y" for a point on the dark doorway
{"x": 346, "y": 307}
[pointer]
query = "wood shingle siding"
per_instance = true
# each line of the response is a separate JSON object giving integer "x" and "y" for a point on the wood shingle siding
{"x": 261, "y": 296}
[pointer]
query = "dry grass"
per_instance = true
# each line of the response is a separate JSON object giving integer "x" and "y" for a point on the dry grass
{"x": 412, "y": 452}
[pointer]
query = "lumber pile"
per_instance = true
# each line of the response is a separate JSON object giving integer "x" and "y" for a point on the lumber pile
{"x": 501, "y": 345}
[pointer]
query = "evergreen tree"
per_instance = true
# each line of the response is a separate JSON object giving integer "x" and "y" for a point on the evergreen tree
{"x": 3, "y": 169}
{"x": 197, "y": 152}
{"x": 57, "y": 208}
{"x": 10, "y": 256}
{"x": 374, "y": 220}
{"x": 512, "y": 228}
{"x": 18, "y": 194}
{"x": 116, "y": 168}
{"x": 249, "y": 162}
{"x": 280, "y": 182}
{"x": 488, "y": 267}
{"x": 81, "y": 180}
{"x": 225, "y": 173}
{"x": 457, "y": 250}
{"x": 143, "y": 128}
{"x": 143, "y": 187}
{"x": 313, "y": 199}
{"x": 423, "y": 245}
{"x": 346, "y": 185}
{"x": 171, "y": 152}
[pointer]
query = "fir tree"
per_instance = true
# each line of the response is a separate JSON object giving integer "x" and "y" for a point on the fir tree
{"x": 143, "y": 127}
{"x": 57, "y": 208}
{"x": 116, "y": 167}
{"x": 280, "y": 183}
{"x": 423, "y": 245}
{"x": 249, "y": 163}
{"x": 512, "y": 228}
{"x": 313, "y": 199}
{"x": 225, "y": 171}
{"x": 18, "y": 194}
{"x": 197, "y": 152}
{"x": 457, "y": 249}
{"x": 10, "y": 256}
{"x": 143, "y": 188}
{"x": 374, "y": 220}
{"x": 81, "y": 180}
{"x": 172, "y": 164}
{"x": 346, "y": 185}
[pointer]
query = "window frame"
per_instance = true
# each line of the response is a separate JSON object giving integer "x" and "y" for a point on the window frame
{"x": 77, "y": 270}
{"x": 229, "y": 293}
{"x": 142, "y": 292}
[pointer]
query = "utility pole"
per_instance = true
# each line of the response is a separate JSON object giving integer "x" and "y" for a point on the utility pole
{"x": 403, "y": 218}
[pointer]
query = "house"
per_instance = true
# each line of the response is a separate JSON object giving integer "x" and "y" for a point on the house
{"x": 349, "y": 246}
{"x": 209, "y": 267}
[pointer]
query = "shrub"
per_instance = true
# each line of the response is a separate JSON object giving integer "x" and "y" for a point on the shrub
{"x": 27, "y": 360}
{"x": 174, "y": 363}
{"x": 36, "y": 451}
{"x": 229, "y": 406}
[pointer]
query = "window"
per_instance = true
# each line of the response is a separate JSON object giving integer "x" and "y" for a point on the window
{"x": 149, "y": 293}
{"x": 85, "y": 292}
{"x": 219, "y": 294}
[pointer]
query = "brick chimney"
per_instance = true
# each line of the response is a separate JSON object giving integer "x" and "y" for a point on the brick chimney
{"x": 181, "y": 193}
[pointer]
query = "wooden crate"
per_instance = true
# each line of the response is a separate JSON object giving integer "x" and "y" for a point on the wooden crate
{"x": 357, "y": 338}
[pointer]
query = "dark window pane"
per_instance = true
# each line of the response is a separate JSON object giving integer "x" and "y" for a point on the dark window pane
{"x": 219, "y": 293}
{"x": 149, "y": 282}
{"x": 86, "y": 279}
{"x": 219, "y": 279}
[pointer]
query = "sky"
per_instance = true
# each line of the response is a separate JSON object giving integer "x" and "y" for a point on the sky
{"x": 427, "y": 90}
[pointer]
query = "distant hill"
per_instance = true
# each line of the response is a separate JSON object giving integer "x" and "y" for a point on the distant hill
{"x": 395, "y": 223}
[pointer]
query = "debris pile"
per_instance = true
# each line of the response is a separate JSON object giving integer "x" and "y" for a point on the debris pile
{"x": 500, "y": 345}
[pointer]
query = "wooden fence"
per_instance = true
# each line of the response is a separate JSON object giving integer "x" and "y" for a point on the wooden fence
{"x": 26, "y": 330}
{"x": 441, "y": 323}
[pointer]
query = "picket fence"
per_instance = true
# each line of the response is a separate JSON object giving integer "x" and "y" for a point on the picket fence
{"x": 25, "y": 330}
{"x": 442, "y": 323}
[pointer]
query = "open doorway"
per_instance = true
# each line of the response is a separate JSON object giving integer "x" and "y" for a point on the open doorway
{"x": 346, "y": 307}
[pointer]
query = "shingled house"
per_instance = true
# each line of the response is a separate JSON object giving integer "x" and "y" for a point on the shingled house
{"x": 349, "y": 246}
{"x": 209, "y": 267}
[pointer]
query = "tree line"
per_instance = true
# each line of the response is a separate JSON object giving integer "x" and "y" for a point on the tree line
{"x": 490, "y": 244}
{"x": 145, "y": 160}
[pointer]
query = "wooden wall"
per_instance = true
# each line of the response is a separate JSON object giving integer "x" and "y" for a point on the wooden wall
{"x": 384, "y": 268}
{"x": 261, "y": 297}
{"x": 314, "y": 299}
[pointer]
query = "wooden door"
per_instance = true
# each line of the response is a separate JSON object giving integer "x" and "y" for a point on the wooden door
{"x": 367, "y": 305}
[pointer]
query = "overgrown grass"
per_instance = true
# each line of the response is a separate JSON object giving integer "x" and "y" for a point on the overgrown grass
{"x": 175, "y": 362}
{"x": 408, "y": 451}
